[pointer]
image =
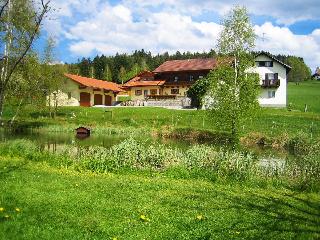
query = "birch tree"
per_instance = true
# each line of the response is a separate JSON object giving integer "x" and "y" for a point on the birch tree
{"x": 20, "y": 22}
{"x": 233, "y": 88}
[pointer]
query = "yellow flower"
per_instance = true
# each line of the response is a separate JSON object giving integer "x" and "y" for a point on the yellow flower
{"x": 1, "y": 209}
{"x": 114, "y": 238}
{"x": 17, "y": 209}
{"x": 200, "y": 217}
{"x": 144, "y": 218}
{"x": 6, "y": 216}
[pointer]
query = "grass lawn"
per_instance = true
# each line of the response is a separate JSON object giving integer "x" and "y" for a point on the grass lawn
{"x": 42, "y": 200}
{"x": 305, "y": 93}
{"x": 57, "y": 203}
{"x": 269, "y": 121}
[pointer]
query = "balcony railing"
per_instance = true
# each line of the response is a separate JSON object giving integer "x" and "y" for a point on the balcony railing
{"x": 270, "y": 83}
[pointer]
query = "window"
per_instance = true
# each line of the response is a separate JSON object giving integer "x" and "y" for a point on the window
{"x": 69, "y": 95}
{"x": 153, "y": 91}
{"x": 175, "y": 91}
{"x": 264, "y": 63}
{"x": 138, "y": 92}
{"x": 271, "y": 94}
{"x": 200, "y": 76}
{"x": 176, "y": 78}
{"x": 191, "y": 78}
{"x": 145, "y": 93}
{"x": 271, "y": 76}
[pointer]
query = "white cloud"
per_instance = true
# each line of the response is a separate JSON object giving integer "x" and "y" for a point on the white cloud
{"x": 280, "y": 40}
{"x": 286, "y": 12}
{"x": 114, "y": 30}
{"x": 93, "y": 26}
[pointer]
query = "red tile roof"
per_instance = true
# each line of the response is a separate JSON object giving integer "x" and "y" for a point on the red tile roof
{"x": 186, "y": 65}
{"x": 95, "y": 83}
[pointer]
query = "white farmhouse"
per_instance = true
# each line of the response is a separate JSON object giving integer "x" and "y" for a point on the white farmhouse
{"x": 273, "y": 80}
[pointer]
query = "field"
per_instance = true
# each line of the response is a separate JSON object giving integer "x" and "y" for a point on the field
{"x": 271, "y": 122}
{"x": 305, "y": 93}
{"x": 40, "y": 200}
{"x": 154, "y": 192}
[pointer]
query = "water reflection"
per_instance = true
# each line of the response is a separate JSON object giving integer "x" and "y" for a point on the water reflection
{"x": 58, "y": 142}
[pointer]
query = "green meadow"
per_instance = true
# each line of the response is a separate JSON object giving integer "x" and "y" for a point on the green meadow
{"x": 139, "y": 191}
{"x": 104, "y": 196}
{"x": 270, "y": 122}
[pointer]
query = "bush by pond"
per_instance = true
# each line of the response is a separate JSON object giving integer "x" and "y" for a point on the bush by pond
{"x": 303, "y": 172}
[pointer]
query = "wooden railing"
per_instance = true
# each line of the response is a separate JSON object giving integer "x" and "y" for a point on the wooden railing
{"x": 161, "y": 97}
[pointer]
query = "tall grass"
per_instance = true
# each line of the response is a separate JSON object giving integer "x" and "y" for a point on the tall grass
{"x": 303, "y": 172}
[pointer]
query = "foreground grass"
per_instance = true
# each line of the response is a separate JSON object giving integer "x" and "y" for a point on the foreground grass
{"x": 56, "y": 203}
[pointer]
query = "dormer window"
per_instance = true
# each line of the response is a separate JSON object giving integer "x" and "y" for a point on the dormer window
{"x": 264, "y": 63}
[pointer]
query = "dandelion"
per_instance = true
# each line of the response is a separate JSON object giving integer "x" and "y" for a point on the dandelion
{"x": 200, "y": 217}
{"x": 144, "y": 218}
{"x": 17, "y": 209}
{"x": 1, "y": 209}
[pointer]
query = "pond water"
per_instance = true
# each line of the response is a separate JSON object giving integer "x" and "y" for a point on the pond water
{"x": 54, "y": 142}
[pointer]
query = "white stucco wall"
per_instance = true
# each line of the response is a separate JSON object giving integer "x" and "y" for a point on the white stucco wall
{"x": 72, "y": 87}
{"x": 280, "y": 99}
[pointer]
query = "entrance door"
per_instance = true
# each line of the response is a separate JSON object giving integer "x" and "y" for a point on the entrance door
{"x": 107, "y": 100}
{"x": 97, "y": 99}
{"x": 85, "y": 99}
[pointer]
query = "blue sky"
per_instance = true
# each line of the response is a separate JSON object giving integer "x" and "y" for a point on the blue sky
{"x": 84, "y": 28}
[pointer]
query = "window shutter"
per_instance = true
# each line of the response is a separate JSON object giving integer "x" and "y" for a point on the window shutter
{"x": 266, "y": 76}
{"x": 276, "y": 76}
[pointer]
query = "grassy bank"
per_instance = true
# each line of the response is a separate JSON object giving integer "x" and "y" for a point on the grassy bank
{"x": 148, "y": 120}
{"x": 46, "y": 196}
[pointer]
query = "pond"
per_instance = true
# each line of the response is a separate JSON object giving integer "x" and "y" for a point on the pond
{"x": 54, "y": 142}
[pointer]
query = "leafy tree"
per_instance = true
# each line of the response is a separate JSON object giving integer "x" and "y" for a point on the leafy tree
{"x": 51, "y": 77}
{"x": 19, "y": 27}
{"x": 84, "y": 67}
{"x": 25, "y": 87}
{"x": 98, "y": 66}
{"x": 300, "y": 71}
{"x": 122, "y": 74}
{"x": 197, "y": 91}
{"x": 233, "y": 89}
{"x": 107, "y": 74}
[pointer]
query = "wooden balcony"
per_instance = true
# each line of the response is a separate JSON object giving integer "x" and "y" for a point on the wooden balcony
{"x": 270, "y": 83}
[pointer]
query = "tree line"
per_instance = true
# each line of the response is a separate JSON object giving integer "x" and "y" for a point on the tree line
{"x": 122, "y": 67}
